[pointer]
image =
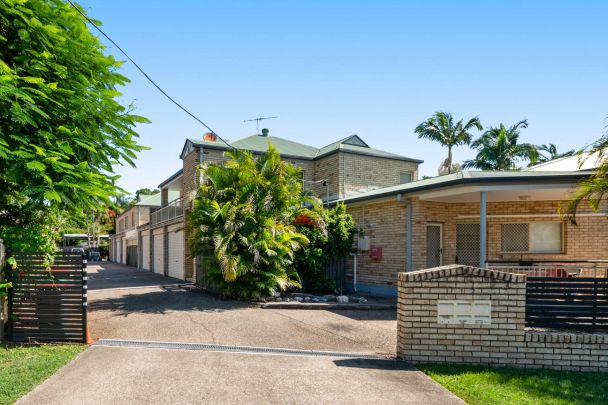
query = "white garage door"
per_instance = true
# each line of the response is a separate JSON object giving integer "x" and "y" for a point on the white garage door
{"x": 145, "y": 252}
{"x": 159, "y": 256}
{"x": 123, "y": 258}
{"x": 118, "y": 255}
{"x": 176, "y": 255}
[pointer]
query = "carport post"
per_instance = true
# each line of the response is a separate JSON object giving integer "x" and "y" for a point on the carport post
{"x": 483, "y": 226}
{"x": 409, "y": 237}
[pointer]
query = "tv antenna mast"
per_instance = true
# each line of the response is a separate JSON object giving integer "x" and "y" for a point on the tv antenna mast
{"x": 257, "y": 121}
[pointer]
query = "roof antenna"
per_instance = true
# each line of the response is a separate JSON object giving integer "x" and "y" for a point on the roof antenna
{"x": 257, "y": 122}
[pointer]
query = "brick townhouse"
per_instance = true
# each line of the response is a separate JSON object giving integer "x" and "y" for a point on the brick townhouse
{"x": 344, "y": 168}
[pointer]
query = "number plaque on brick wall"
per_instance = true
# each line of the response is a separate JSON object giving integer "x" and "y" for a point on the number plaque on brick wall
{"x": 465, "y": 312}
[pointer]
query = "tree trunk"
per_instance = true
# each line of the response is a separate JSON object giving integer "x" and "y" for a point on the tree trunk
{"x": 449, "y": 160}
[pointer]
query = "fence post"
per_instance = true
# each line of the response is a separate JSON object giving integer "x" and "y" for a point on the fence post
{"x": 3, "y": 309}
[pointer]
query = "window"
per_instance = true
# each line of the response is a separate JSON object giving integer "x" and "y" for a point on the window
{"x": 405, "y": 177}
{"x": 534, "y": 237}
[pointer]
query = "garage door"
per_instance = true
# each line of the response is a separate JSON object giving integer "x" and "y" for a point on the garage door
{"x": 176, "y": 254}
{"x": 145, "y": 252}
{"x": 118, "y": 255}
{"x": 159, "y": 257}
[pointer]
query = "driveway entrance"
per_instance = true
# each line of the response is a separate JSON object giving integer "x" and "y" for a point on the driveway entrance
{"x": 132, "y": 306}
{"x": 168, "y": 310}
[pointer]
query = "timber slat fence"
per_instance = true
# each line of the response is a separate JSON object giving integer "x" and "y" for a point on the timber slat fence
{"x": 48, "y": 301}
{"x": 579, "y": 303}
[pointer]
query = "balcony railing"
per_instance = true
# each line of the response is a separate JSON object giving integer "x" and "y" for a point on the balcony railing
{"x": 584, "y": 268}
{"x": 172, "y": 210}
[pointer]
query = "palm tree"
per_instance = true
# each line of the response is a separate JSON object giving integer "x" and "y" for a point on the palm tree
{"x": 242, "y": 222}
{"x": 595, "y": 188}
{"x": 498, "y": 149}
{"x": 550, "y": 153}
{"x": 441, "y": 128}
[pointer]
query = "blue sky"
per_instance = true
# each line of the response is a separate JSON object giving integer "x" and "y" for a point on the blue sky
{"x": 376, "y": 69}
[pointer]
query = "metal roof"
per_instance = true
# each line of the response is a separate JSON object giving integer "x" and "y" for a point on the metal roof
{"x": 258, "y": 143}
{"x": 468, "y": 177}
{"x": 153, "y": 200}
{"x": 171, "y": 178}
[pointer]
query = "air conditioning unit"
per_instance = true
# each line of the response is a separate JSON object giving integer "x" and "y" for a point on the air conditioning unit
{"x": 363, "y": 243}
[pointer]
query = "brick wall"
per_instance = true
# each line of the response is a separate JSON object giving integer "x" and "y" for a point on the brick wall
{"x": 190, "y": 184}
{"x": 329, "y": 168}
{"x": 362, "y": 173}
{"x": 505, "y": 341}
{"x": 385, "y": 223}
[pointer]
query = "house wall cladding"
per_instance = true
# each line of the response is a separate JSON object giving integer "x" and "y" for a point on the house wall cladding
{"x": 385, "y": 223}
{"x": 505, "y": 341}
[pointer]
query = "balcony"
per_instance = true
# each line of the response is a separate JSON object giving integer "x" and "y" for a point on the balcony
{"x": 172, "y": 210}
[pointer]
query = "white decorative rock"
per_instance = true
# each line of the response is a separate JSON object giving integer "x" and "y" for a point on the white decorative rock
{"x": 342, "y": 299}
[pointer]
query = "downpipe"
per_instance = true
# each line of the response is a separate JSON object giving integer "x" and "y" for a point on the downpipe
{"x": 354, "y": 255}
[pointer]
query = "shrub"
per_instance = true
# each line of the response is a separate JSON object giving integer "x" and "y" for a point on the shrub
{"x": 332, "y": 242}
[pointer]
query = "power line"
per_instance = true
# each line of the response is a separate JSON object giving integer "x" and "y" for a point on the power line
{"x": 145, "y": 74}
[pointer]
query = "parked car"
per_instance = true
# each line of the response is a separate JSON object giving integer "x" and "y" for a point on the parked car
{"x": 94, "y": 256}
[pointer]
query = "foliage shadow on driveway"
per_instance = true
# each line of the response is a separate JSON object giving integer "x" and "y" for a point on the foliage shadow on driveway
{"x": 169, "y": 298}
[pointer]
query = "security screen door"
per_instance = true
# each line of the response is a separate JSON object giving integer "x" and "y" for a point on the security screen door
{"x": 467, "y": 244}
{"x": 433, "y": 245}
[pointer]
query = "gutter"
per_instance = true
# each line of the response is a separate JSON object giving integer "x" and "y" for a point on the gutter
{"x": 467, "y": 180}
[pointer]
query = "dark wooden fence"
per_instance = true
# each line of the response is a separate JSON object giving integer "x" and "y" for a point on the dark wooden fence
{"x": 48, "y": 301}
{"x": 336, "y": 270}
{"x": 579, "y": 303}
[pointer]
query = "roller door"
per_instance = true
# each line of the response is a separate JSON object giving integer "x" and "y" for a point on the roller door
{"x": 159, "y": 257}
{"x": 145, "y": 252}
{"x": 176, "y": 255}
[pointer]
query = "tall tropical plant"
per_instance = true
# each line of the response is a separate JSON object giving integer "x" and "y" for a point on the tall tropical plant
{"x": 594, "y": 189}
{"x": 442, "y": 128}
{"x": 548, "y": 152}
{"x": 499, "y": 149}
{"x": 242, "y": 222}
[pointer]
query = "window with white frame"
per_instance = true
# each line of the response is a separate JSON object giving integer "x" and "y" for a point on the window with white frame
{"x": 533, "y": 237}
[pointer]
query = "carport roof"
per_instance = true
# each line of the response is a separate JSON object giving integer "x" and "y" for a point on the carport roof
{"x": 471, "y": 178}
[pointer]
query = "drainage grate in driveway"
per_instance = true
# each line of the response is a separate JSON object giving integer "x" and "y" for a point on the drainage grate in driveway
{"x": 233, "y": 349}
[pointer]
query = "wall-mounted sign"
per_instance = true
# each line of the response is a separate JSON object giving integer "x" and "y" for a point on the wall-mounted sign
{"x": 466, "y": 312}
{"x": 375, "y": 253}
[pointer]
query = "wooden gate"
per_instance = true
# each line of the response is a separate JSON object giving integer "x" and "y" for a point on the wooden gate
{"x": 48, "y": 301}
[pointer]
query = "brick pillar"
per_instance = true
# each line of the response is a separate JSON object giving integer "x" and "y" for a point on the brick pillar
{"x": 190, "y": 184}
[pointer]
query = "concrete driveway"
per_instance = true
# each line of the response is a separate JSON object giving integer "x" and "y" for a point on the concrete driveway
{"x": 131, "y": 305}
{"x": 185, "y": 314}
{"x": 112, "y": 375}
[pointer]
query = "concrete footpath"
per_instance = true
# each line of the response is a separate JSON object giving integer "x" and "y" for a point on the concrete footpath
{"x": 126, "y": 375}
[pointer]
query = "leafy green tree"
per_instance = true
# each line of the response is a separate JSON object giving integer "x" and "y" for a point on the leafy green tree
{"x": 594, "y": 190}
{"x": 144, "y": 192}
{"x": 242, "y": 223}
{"x": 498, "y": 149}
{"x": 62, "y": 127}
{"x": 330, "y": 242}
{"x": 442, "y": 129}
{"x": 549, "y": 152}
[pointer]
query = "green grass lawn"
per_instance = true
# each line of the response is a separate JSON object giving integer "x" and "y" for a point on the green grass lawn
{"x": 506, "y": 385}
{"x": 24, "y": 367}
